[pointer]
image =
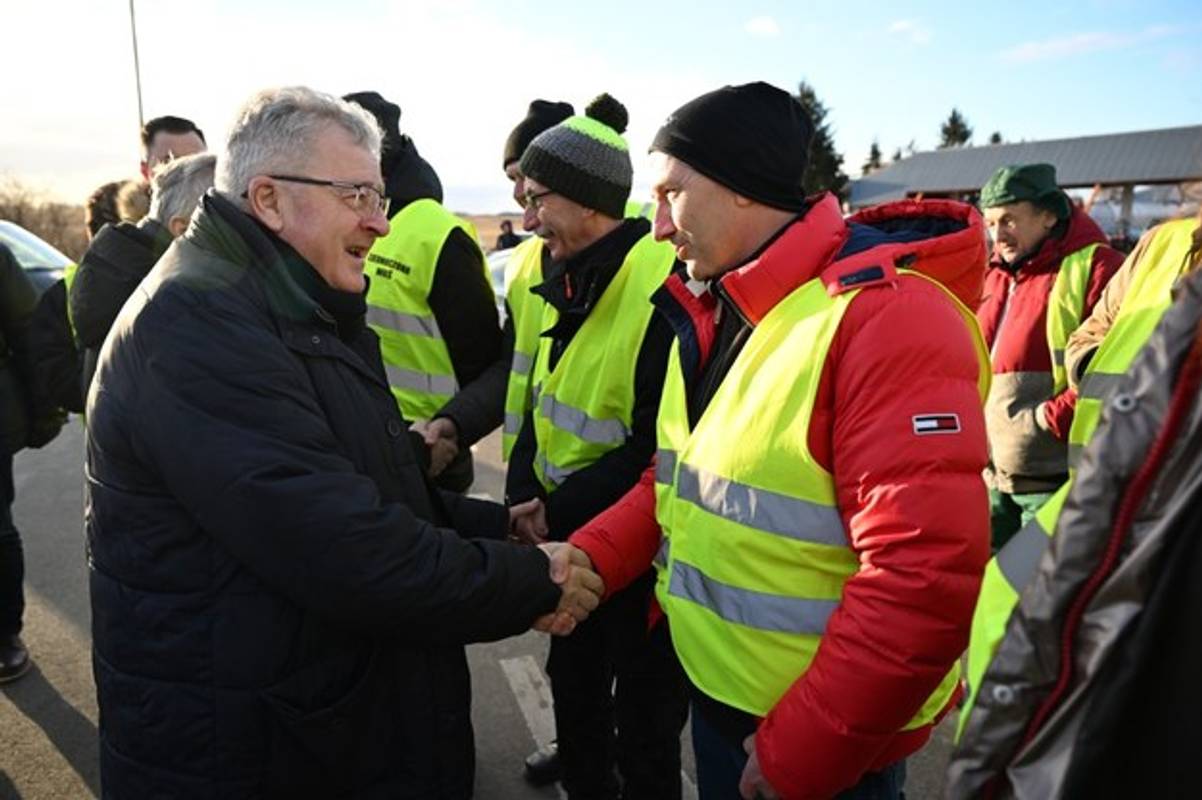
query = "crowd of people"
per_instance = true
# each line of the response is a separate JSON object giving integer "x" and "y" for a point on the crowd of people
{"x": 771, "y": 470}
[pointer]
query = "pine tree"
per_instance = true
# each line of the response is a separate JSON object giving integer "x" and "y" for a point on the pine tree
{"x": 873, "y": 163}
{"x": 996, "y": 138}
{"x": 825, "y": 170}
{"x": 956, "y": 131}
{"x": 897, "y": 155}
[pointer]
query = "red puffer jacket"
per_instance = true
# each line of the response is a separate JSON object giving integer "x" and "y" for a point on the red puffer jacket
{"x": 914, "y": 506}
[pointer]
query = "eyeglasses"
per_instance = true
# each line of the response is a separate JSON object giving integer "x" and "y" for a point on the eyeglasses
{"x": 363, "y": 198}
{"x": 535, "y": 200}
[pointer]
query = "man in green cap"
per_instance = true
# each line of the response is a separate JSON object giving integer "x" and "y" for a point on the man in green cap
{"x": 1050, "y": 263}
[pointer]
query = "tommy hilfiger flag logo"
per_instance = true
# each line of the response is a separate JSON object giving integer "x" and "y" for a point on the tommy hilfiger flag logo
{"x": 936, "y": 423}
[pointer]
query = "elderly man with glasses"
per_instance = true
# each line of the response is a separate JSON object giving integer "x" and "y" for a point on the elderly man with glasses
{"x": 280, "y": 598}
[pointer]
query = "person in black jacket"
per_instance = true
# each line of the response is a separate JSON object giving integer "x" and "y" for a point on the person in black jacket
{"x": 478, "y": 409}
{"x": 280, "y": 598}
{"x": 577, "y": 178}
{"x": 120, "y": 256}
{"x": 460, "y": 298}
{"x": 22, "y": 423}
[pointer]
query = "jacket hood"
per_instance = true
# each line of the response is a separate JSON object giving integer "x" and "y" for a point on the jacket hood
{"x": 408, "y": 176}
{"x": 116, "y": 260}
{"x": 942, "y": 239}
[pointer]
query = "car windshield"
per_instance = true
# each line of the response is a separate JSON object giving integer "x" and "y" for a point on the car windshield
{"x": 30, "y": 251}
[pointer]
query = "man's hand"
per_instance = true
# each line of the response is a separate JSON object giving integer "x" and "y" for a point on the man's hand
{"x": 753, "y": 784}
{"x": 582, "y": 588}
{"x": 442, "y": 437}
{"x": 528, "y": 522}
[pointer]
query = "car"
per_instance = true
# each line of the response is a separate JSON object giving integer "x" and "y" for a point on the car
{"x": 42, "y": 262}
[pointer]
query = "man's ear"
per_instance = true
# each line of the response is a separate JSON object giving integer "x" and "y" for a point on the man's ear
{"x": 741, "y": 201}
{"x": 263, "y": 202}
{"x": 177, "y": 226}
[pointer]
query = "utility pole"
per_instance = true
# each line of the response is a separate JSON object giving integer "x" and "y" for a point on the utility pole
{"x": 133, "y": 30}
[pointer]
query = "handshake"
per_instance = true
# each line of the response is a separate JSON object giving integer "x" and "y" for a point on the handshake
{"x": 571, "y": 569}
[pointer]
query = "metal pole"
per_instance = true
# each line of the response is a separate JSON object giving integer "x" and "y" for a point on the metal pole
{"x": 133, "y": 30}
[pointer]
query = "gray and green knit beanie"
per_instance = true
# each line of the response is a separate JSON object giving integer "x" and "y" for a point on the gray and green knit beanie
{"x": 585, "y": 158}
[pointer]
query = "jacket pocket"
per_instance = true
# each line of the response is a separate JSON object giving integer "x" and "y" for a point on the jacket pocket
{"x": 318, "y": 718}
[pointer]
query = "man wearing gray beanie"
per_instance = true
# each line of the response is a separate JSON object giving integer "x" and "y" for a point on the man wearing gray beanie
{"x": 585, "y": 437}
{"x": 816, "y": 513}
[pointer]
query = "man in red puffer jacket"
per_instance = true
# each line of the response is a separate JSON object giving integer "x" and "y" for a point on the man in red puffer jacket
{"x": 816, "y": 510}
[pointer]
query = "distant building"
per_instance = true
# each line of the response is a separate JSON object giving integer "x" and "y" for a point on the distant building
{"x": 1169, "y": 159}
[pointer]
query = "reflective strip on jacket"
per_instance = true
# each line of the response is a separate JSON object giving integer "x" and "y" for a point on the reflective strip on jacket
{"x": 401, "y": 268}
{"x": 755, "y": 554}
{"x": 584, "y": 407}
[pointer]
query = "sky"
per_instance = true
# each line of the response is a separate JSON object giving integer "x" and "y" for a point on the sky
{"x": 464, "y": 71}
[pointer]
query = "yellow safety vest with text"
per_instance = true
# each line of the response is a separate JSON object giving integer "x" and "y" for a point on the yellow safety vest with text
{"x": 401, "y": 268}
{"x": 584, "y": 407}
{"x": 754, "y": 555}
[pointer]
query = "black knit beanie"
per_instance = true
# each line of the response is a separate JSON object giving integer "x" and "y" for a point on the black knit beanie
{"x": 543, "y": 114}
{"x": 585, "y": 158}
{"x": 753, "y": 139}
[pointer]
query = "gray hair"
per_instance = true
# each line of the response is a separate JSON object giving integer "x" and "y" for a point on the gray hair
{"x": 275, "y": 130}
{"x": 178, "y": 185}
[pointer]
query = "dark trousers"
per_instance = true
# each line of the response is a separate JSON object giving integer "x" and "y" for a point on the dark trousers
{"x": 614, "y": 673}
{"x": 12, "y": 557}
{"x": 720, "y": 763}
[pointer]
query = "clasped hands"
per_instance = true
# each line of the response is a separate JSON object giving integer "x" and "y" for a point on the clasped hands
{"x": 570, "y": 567}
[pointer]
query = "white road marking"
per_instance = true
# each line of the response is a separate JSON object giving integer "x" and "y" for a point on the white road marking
{"x": 533, "y": 694}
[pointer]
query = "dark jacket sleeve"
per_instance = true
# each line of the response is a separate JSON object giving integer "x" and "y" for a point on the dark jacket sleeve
{"x": 520, "y": 482}
{"x": 17, "y": 300}
{"x": 595, "y": 488}
{"x": 479, "y": 407}
{"x": 464, "y": 307}
{"x": 56, "y": 378}
{"x": 476, "y": 518}
{"x": 264, "y": 475}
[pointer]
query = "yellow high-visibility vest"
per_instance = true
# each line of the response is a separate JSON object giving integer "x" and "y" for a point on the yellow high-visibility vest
{"x": 401, "y": 268}
{"x": 754, "y": 555}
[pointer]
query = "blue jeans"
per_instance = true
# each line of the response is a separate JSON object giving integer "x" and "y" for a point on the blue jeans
{"x": 720, "y": 764}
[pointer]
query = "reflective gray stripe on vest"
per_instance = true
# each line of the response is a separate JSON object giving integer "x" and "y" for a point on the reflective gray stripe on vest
{"x": 581, "y": 425}
{"x": 766, "y": 612}
{"x": 1074, "y": 455}
{"x": 1098, "y": 385}
{"x": 661, "y": 555}
{"x": 1019, "y": 559}
{"x": 403, "y": 378}
{"x": 1058, "y": 357}
{"x": 665, "y": 465}
{"x": 554, "y": 473}
{"x": 513, "y": 423}
{"x": 761, "y": 509}
{"x": 522, "y": 363}
{"x": 401, "y": 322}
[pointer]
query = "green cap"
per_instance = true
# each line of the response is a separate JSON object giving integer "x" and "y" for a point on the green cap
{"x": 1035, "y": 183}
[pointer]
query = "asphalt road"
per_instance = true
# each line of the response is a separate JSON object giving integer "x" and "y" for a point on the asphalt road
{"x": 48, "y": 718}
